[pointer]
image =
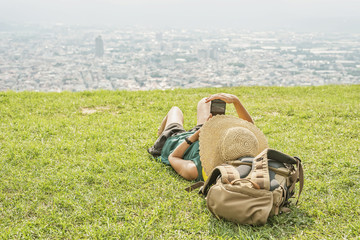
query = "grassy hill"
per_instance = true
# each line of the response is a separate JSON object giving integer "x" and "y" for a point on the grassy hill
{"x": 74, "y": 165}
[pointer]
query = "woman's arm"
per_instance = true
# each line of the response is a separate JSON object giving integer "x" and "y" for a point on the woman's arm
{"x": 185, "y": 168}
{"x": 229, "y": 98}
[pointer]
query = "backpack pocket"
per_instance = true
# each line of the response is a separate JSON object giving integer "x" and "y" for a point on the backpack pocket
{"x": 279, "y": 196}
{"x": 239, "y": 203}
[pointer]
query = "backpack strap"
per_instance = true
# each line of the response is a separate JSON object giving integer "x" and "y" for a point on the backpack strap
{"x": 297, "y": 176}
{"x": 194, "y": 186}
{"x": 228, "y": 173}
{"x": 260, "y": 171}
{"x": 281, "y": 172}
{"x": 300, "y": 176}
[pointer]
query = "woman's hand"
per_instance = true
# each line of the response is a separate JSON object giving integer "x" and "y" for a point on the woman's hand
{"x": 226, "y": 97}
{"x": 195, "y": 136}
{"x": 230, "y": 98}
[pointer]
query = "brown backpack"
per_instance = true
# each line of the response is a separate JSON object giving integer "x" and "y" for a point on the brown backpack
{"x": 249, "y": 190}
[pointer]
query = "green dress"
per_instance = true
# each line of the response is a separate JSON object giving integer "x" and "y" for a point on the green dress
{"x": 192, "y": 153}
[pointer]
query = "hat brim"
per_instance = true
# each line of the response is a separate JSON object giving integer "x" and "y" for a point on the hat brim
{"x": 211, "y": 135}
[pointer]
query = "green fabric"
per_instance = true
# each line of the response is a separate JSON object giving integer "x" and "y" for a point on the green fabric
{"x": 192, "y": 153}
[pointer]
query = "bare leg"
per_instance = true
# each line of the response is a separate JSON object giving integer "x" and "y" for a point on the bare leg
{"x": 203, "y": 111}
{"x": 162, "y": 126}
{"x": 175, "y": 115}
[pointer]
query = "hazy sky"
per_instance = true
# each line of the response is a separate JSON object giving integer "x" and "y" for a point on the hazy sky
{"x": 300, "y": 15}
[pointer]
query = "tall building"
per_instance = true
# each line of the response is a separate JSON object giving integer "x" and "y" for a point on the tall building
{"x": 159, "y": 37}
{"x": 214, "y": 53}
{"x": 99, "y": 47}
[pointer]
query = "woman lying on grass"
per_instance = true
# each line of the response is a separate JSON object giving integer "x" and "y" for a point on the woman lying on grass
{"x": 213, "y": 141}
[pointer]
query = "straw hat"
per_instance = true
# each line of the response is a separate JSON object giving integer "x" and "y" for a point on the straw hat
{"x": 224, "y": 138}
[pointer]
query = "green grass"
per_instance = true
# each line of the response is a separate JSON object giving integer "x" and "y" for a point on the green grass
{"x": 68, "y": 174}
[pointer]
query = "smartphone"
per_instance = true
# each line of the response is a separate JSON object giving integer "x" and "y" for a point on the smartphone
{"x": 217, "y": 107}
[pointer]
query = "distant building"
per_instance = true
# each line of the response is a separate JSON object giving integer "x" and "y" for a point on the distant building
{"x": 214, "y": 53}
{"x": 99, "y": 47}
{"x": 202, "y": 53}
{"x": 159, "y": 37}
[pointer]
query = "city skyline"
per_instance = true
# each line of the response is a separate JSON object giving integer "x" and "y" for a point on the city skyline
{"x": 63, "y": 58}
{"x": 296, "y": 15}
{"x": 80, "y": 45}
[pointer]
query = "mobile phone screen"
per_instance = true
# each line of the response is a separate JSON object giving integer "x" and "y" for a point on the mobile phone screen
{"x": 217, "y": 107}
